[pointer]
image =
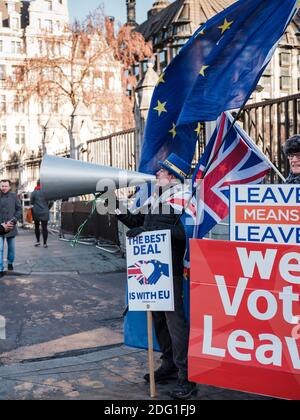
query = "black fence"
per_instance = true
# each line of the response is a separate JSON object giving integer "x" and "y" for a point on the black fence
{"x": 103, "y": 228}
{"x": 269, "y": 124}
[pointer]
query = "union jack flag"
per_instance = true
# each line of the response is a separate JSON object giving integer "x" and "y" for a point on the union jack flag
{"x": 239, "y": 161}
{"x": 135, "y": 273}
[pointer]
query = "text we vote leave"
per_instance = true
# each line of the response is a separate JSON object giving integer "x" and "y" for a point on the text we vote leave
{"x": 245, "y": 308}
{"x": 262, "y": 305}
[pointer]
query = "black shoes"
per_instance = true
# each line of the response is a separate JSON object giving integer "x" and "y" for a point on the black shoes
{"x": 163, "y": 373}
{"x": 184, "y": 390}
{"x": 10, "y": 267}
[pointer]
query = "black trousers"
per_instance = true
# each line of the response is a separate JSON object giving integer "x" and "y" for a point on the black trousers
{"x": 44, "y": 231}
{"x": 172, "y": 332}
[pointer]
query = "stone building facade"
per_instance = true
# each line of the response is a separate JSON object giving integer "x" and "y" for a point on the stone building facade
{"x": 30, "y": 128}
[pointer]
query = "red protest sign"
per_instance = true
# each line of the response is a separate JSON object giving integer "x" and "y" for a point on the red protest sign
{"x": 245, "y": 316}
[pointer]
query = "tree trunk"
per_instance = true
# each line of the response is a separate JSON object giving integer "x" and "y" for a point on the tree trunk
{"x": 73, "y": 151}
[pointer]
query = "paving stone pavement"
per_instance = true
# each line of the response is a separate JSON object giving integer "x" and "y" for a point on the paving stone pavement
{"x": 111, "y": 374}
{"x": 63, "y": 309}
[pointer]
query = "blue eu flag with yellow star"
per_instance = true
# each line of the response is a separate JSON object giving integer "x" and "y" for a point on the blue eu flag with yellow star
{"x": 217, "y": 70}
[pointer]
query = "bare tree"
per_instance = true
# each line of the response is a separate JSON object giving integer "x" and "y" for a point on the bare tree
{"x": 130, "y": 48}
{"x": 74, "y": 67}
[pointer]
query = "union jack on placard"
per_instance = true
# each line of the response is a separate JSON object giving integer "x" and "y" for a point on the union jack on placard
{"x": 135, "y": 273}
{"x": 239, "y": 161}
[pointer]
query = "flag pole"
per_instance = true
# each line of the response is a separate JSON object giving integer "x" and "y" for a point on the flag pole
{"x": 151, "y": 355}
{"x": 194, "y": 188}
{"x": 274, "y": 167}
{"x": 237, "y": 116}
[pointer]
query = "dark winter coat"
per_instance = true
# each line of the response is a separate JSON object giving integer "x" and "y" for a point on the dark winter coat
{"x": 293, "y": 179}
{"x": 10, "y": 208}
{"x": 163, "y": 218}
{"x": 40, "y": 210}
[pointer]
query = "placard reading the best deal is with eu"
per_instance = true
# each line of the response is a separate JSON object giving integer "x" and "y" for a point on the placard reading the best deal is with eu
{"x": 150, "y": 272}
{"x": 265, "y": 214}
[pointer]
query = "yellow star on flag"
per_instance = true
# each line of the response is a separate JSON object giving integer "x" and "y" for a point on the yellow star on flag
{"x": 173, "y": 131}
{"x": 161, "y": 107}
{"x": 199, "y": 128}
{"x": 202, "y": 71}
{"x": 226, "y": 25}
{"x": 161, "y": 79}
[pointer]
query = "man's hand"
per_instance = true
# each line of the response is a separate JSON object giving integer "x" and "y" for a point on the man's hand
{"x": 8, "y": 226}
{"x": 132, "y": 233}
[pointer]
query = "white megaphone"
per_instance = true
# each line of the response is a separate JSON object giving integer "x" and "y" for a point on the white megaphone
{"x": 63, "y": 178}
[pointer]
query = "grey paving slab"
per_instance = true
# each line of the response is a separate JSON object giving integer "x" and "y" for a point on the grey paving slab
{"x": 75, "y": 297}
{"x": 115, "y": 375}
{"x": 59, "y": 299}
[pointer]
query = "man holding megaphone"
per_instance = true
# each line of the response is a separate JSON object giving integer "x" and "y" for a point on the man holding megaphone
{"x": 171, "y": 327}
{"x": 158, "y": 213}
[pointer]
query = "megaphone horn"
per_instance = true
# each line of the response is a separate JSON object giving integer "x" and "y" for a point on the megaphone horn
{"x": 64, "y": 178}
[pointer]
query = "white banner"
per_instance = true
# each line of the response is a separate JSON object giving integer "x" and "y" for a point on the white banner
{"x": 265, "y": 214}
{"x": 150, "y": 272}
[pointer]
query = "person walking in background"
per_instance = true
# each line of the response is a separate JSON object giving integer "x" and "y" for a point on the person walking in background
{"x": 40, "y": 213}
{"x": 10, "y": 212}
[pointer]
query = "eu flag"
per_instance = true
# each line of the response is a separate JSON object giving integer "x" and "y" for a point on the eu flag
{"x": 217, "y": 70}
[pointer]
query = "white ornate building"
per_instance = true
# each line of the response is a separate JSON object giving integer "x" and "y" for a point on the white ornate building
{"x": 29, "y": 128}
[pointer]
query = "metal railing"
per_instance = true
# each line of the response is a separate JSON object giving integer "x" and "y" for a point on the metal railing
{"x": 117, "y": 150}
{"x": 269, "y": 124}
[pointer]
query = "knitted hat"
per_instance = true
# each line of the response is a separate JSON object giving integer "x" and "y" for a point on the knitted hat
{"x": 292, "y": 145}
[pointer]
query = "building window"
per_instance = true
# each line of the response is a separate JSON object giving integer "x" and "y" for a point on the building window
{"x": 54, "y": 105}
{"x": 17, "y": 73}
{"x": 285, "y": 83}
{"x": 285, "y": 59}
{"x": 16, "y": 47}
{"x": 49, "y": 25}
{"x": 20, "y": 134}
{"x": 2, "y": 72}
{"x": 2, "y": 103}
{"x": 1, "y": 46}
{"x": 15, "y": 24}
{"x": 19, "y": 104}
{"x": 49, "y": 5}
{"x": 3, "y": 133}
{"x": 163, "y": 60}
{"x": 266, "y": 82}
{"x": 59, "y": 50}
{"x": 41, "y": 47}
